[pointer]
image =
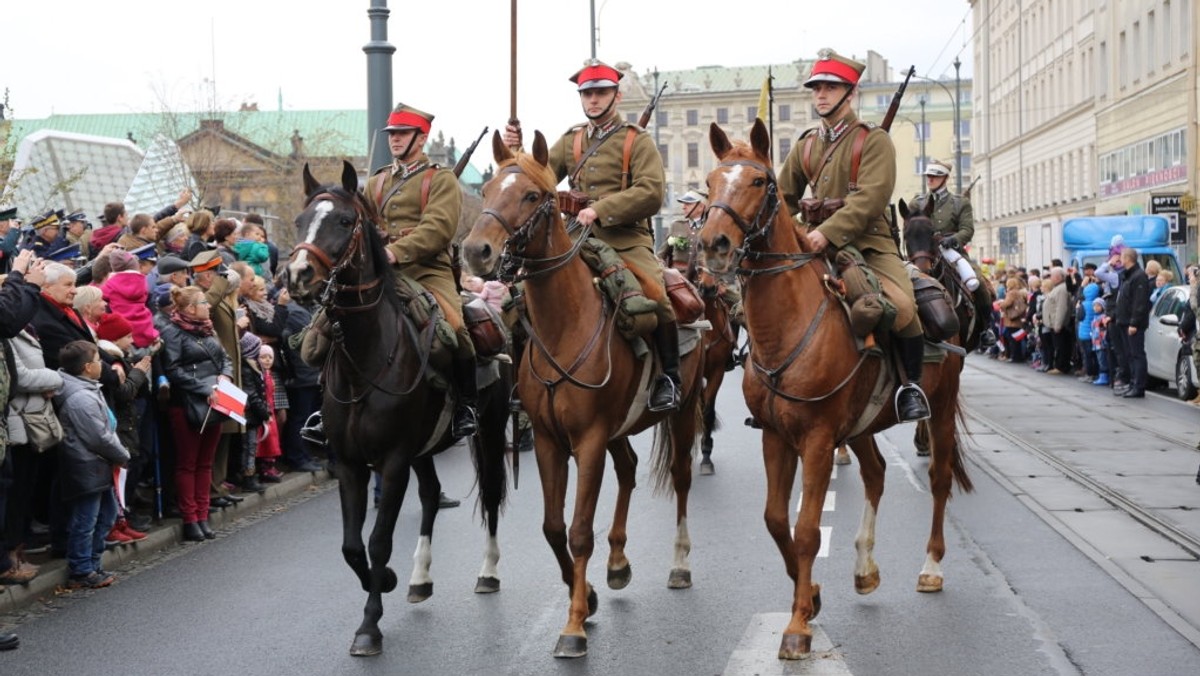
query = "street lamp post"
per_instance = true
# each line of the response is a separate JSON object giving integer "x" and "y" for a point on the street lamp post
{"x": 922, "y": 131}
{"x": 379, "y": 84}
{"x": 957, "y": 130}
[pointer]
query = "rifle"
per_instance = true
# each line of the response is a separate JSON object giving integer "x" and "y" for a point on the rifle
{"x": 967, "y": 192}
{"x": 466, "y": 156}
{"x": 645, "y": 118}
{"x": 886, "y": 125}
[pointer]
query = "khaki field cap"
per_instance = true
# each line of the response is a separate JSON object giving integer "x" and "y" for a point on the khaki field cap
{"x": 406, "y": 117}
{"x": 937, "y": 168}
{"x": 833, "y": 67}
{"x": 205, "y": 260}
{"x": 692, "y": 196}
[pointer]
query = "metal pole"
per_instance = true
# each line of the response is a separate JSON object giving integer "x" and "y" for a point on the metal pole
{"x": 512, "y": 67}
{"x": 379, "y": 83}
{"x": 592, "y": 37}
{"x": 922, "y": 131}
{"x": 659, "y": 235}
{"x": 957, "y": 131}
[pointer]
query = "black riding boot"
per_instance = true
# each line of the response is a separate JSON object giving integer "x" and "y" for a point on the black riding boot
{"x": 735, "y": 357}
{"x": 465, "y": 421}
{"x": 911, "y": 404}
{"x": 665, "y": 396}
{"x": 983, "y": 313}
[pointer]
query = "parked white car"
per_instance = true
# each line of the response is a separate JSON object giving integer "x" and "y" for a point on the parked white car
{"x": 1168, "y": 358}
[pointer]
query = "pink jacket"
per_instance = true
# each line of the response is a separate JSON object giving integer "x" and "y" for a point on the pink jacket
{"x": 126, "y": 294}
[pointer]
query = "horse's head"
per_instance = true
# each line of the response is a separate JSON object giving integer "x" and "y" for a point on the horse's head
{"x": 920, "y": 237}
{"x": 335, "y": 224}
{"x": 521, "y": 198}
{"x": 743, "y": 196}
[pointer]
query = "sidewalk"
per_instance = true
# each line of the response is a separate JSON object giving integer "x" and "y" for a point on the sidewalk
{"x": 53, "y": 573}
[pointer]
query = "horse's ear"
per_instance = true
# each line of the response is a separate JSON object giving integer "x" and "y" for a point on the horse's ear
{"x": 540, "y": 152}
{"x": 500, "y": 152}
{"x": 928, "y": 208}
{"x": 904, "y": 212}
{"x": 760, "y": 139}
{"x": 349, "y": 177}
{"x": 719, "y": 141}
{"x": 310, "y": 184}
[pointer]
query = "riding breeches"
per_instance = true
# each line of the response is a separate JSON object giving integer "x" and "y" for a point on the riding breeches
{"x": 648, "y": 269}
{"x": 898, "y": 288}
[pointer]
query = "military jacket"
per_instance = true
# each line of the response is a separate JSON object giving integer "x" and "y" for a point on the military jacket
{"x": 623, "y": 216}
{"x": 420, "y": 239}
{"x": 952, "y": 214}
{"x": 861, "y": 222}
{"x": 680, "y": 245}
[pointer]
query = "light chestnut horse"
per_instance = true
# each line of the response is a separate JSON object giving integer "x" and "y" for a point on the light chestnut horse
{"x": 807, "y": 384}
{"x": 583, "y": 388}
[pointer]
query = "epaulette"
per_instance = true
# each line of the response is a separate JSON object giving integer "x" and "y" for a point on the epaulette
{"x": 386, "y": 166}
{"x": 810, "y": 130}
{"x": 635, "y": 126}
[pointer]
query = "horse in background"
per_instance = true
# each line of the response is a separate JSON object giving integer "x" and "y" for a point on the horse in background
{"x": 807, "y": 383}
{"x": 584, "y": 389}
{"x": 720, "y": 343}
{"x": 380, "y": 411}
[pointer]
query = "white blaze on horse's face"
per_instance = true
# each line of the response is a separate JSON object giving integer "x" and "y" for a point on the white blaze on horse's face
{"x": 300, "y": 262}
{"x": 507, "y": 182}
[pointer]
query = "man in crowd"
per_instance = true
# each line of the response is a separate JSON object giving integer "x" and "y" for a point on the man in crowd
{"x": 1132, "y": 318}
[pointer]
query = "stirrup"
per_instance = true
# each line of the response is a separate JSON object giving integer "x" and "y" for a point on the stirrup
{"x": 987, "y": 338}
{"x": 664, "y": 402}
{"x": 313, "y": 430}
{"x": 465, "y": 422}
{"x": 920, "y": 408}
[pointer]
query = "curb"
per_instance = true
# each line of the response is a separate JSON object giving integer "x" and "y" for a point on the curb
{"x": 53, "y": 573}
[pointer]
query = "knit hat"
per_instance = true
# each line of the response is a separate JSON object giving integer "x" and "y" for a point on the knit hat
{"x": 250, "y": 344}
{"x": 1101, "y": 303}
{"x": 121, "y": 261}
{"x": 113, "y": 327}
{"x": 161, "y": 295}
{"x": 266, "y": 351}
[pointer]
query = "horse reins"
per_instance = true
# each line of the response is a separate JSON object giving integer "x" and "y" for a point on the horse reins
{"x": 760, "y": 228}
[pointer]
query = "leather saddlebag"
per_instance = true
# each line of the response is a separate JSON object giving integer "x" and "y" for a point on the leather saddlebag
{"x": 685, "y": 300}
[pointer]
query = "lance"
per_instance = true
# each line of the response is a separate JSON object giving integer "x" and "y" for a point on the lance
{"x": 512, "y": 69}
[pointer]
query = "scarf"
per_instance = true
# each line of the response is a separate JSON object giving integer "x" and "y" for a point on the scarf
{"x": 67, "y": 310}
{"x": 197, "y": 326}
{"x": 261, "y": 309}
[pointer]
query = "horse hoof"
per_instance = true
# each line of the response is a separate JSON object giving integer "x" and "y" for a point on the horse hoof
{"x": 619, "y": 578}
{"x": 680, "y": 578}
{"x": 389, "y": 581}
{"x": 706, "y": 467}
{"x": 842, "y": 459}
{"x": 570, "y": 646}
{"x": 593, "y": 606}
{"x": 419, "y": 592}
{"x": 487, "y": 585}
{"x": 865, "y": 584}
{"x": 929, "y": 583}
{"x": 816, "y": 601}
{"x": 366, "y": 645}
{"x": 923, "y": 452}
{"x": 795, "y": 646}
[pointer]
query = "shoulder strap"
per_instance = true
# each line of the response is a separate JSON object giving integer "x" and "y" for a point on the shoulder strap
{"x": 806, "y": 158}
{"x": 629, "y": 138}
{"x": 426, "y": 180}
{"x": 580, "y": 158}
{"x": 379, "y": 191}
{"x": 577, "y": 145}
{"x": 860, "y": 139}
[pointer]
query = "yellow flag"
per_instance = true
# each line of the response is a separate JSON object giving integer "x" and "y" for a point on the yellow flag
{"x": 764, "y": 99}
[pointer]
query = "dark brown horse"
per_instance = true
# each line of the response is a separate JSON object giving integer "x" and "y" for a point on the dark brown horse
{"x": 719, "y": 344}
{"x": 807, "y": 384}
{"x": 379, "y": 409}
{"x": 583, "y": 388}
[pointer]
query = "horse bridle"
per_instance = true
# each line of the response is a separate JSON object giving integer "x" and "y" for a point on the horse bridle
{"x": 354, "y": 249}
{"x": 760, "y": 228}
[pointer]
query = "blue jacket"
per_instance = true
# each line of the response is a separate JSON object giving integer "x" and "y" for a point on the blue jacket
{"x": 90, "y": 445}
{"x": 1090, "y": 293}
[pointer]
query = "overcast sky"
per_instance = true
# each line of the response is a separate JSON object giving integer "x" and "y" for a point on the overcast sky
{"x": 452, "y": 58}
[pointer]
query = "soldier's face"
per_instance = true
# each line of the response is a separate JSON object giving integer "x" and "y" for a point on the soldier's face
{"x": 826, "y": 96}
{"x": 599, "y": 100}
{"x": 935, "y": 182}
{"x": 406, "y": 143}
{"x": 693, "y": 210}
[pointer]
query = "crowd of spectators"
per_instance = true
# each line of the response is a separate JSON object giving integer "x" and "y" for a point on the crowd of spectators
{"x": 1089, "y": 323}
{"x": 114, "y": 341}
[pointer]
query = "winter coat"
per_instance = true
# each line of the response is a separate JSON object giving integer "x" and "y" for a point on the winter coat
{"x": 296, "y": 372}
{"x": 1056, "y": 311}
{"x": 254, "y": 253}
{"x": 1133, "y": 299}
{"x": 1084, "y": 329}
{"x": 192, "y": 363}
{"x": 90, "y": 445}
{"x": 123, "y": 398}
{"x": 127, "y": 294}
{"x": 258, "y": 409}
{"x": 1012, "y": 310}
{"x": 32, "y": 380}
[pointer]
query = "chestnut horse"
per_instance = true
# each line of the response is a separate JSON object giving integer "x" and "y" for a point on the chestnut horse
{"x": 719, "y": 344}
{"x": 380, "y": 411}
{"x": 807, "y": 384}
{"x": 583, "y": 388}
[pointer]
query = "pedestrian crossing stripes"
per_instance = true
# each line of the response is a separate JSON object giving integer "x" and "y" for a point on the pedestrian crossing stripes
{"x": 756, "y": 653}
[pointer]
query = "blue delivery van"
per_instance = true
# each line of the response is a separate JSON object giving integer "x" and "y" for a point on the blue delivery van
{"x": 1087, "y": 240}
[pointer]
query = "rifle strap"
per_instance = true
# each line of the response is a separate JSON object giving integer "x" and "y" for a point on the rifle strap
{"x": 582, "y": 155}
{"x": 630, "y": 136}
{"x": 426, "y": 181}
{"x": 860, "y": 139}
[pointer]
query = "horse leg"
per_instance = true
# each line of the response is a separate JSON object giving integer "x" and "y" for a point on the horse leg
{"x": 871, "y": 469}
{"x": 682, "y": 432}
{"x": 780, "y": 464}
{"x": 941, "y": 428}
{"x": 589, "y": 459}
{"x": 353, "y": 479}
{"x": 368, "y": 640}
{"x": 806, "y": 601}
{"x": 712, "y": 384}
{"x": 488, "y": 448}
{"x": 429, "y": 489}
{"x": 921, "y": 439}
{"x": 625, "y": 463}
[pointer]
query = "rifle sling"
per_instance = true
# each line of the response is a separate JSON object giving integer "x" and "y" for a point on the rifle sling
{"x": 581, "y": 155}
{"x": 860, "y": 140}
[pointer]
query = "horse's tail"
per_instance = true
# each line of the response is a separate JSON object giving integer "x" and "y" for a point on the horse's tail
{"x": 957, "y": 466}
{"x": 664, "y": 451}
{"x": 488, "y": 450}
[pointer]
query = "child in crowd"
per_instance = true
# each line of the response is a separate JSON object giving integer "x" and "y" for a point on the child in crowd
{"x": 269, "y": 449}
{"x": 89, "y": 451}
{"x": 127, "y": 294}
{"x": 257, "y": 410}
{"x": 251, "y": 246}
{"x": 492, "y": 292}
{"x": 1099, "y": 342}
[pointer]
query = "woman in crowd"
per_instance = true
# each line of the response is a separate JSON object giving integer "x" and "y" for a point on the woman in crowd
{"x": 194, "y": 363}
{"x": 200, "y": 227}
{"x": 89, "y": 302}
{"x": 1012, "y": 313}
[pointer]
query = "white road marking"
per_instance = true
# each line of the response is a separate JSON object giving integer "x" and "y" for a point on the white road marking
{"x": 892, "y": 454}
{"x": 757, "y": 653}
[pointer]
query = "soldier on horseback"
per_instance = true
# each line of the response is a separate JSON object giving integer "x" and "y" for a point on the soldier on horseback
{"x": 617, "y": 167}
{"x": 850, "y": 167}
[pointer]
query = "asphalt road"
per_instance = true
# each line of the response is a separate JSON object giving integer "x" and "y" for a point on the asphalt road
{"x": 273, "y": 596}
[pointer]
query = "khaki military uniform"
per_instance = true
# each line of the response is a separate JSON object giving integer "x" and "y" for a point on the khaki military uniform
{"x": 952, "y": 214}
{"x": 679, "y": 256}
{"x": 861, "y": 222}
{"x": 420, "y": 238}
{"x": 623, "y": 216}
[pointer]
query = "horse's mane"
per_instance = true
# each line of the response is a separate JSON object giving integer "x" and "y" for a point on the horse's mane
{"x": 743, "y": 150}
{"x": 375, "y": 235}
{"x": 541, "y": 175}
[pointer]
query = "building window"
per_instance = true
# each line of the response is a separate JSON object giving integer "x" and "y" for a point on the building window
{"x": 693, "y": 118}
{"x": 693, "y": 154}
{"x": 919, "y": 166}
{"x": 882, "y": 101}
{"x": 664, "y": 150}
{"x": 964, "y": 128}
{"x": 722, "y": 116}
{"x": 785, "y": 112}
{"x": 785, "y": 147}
{"x": 922, "y": 131}
{"x": 751, "y": 113}
{"x": 660, "y": 118}
{"x": 965, "y": 160}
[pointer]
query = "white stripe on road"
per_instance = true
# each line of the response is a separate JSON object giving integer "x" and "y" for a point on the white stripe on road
{"x": 757, "y": 654}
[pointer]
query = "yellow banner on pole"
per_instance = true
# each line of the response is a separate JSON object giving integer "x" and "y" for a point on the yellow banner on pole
{"x": 764, "y": 99}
